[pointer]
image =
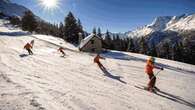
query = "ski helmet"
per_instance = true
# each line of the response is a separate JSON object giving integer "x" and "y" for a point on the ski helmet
{"x": 152, "y": 59}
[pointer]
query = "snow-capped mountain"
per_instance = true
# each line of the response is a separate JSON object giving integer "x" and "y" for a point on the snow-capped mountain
{"x": 182, "y": 23}
{"x": 166, "y": 23}
{"x": 161, "y": 25}
{"x": 11, "y": 9}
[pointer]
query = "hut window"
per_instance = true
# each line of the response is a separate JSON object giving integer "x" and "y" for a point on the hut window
{"x": 92, "y": 41}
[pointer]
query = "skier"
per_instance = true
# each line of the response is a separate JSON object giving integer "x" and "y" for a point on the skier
{"x": 62, "y": 51}
{"x": 28, "y": 47}
{"x": 32, "y": 43}
{"x": 97, "y": 60}
{"x": 149, "y": 70}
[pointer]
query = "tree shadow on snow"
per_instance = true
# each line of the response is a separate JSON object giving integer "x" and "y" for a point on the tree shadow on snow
{"x": 14, "y": 34}
{"x": 123, "y": 56}
{"x": 23, "y": 55}
{"x": 177, "y": 69}
{"x": 108, "y": 74}
{"x": 174, "y": 98}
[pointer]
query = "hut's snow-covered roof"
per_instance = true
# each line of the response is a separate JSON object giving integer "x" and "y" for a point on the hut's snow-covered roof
{"x": 86, "y": 40}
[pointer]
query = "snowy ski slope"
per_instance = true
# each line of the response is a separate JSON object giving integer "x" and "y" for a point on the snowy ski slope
{"x": 47, "y": 81}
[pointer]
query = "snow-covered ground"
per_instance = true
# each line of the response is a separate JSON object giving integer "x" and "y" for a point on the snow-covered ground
{"x": 47, "y": 81}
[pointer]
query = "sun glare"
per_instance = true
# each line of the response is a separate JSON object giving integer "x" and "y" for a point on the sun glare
{"x": 49, "y": 4}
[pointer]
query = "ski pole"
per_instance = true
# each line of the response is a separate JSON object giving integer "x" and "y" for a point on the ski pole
{"x": 156, "y": 74}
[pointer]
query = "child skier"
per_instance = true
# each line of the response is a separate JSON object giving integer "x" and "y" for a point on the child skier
{"x": 28, "y": 47}
{"x": 62, "y": 51}
{"x": 149, "y": 70}
{"x": 97, "y": 60}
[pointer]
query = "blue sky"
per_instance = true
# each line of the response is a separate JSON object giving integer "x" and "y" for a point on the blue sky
{"x": 114, "y": 15}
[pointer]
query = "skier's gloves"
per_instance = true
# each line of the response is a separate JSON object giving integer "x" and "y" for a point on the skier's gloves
{"x": 162, "y": 68}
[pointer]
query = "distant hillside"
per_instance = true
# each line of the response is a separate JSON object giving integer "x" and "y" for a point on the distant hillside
{"x": 12, "y": 9}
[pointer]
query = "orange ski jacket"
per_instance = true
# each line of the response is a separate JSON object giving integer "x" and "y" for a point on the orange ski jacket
{"x": 150, "y": 66}
{"x": 27, "y": 46}
{"x": 60, "y": 49}
{"x": 97, "y": 58}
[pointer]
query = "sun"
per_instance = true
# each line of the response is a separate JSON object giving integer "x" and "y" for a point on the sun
{"x": 49, "y": 4}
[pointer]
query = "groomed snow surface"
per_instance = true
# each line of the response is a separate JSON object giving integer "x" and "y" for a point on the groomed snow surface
{"x": 47, "y": 81}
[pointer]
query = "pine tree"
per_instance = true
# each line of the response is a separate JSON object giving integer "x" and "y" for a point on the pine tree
{"x": 153, "y": 51}
{"x": 131, "y": 46}
{"x": 29, "y": 22}
{"x": 118, "y": 43}
{"x": 178, "y": 52}
{"x": 15, "y": 21}
{"x": 80, "y": 27}
{"x": 124, "y": 44}
{"x": 71, "y": 29}
{"x": 2, "y": 15}
{"x": 94, "y": 31}
{"x": 99, "y": 33}
{"x": 127, "y": 44}
{"x": 143, "y": 46}
{"x": 107, "y": 41}
{"x": 61, "y": 30}
{"x": 187, "y": 54}
{"x": 175, "y": 51}
{"x": 166, "y": 48}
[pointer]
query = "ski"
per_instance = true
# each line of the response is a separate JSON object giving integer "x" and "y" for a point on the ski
{"x": 146, "y": 89}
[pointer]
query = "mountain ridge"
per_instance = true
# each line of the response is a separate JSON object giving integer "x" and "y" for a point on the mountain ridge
{"x": 166, "y": 23}
{"x": 12, "y": 9}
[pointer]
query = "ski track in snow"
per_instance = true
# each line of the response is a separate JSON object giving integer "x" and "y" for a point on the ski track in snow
{"x": 46, "y": 81}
